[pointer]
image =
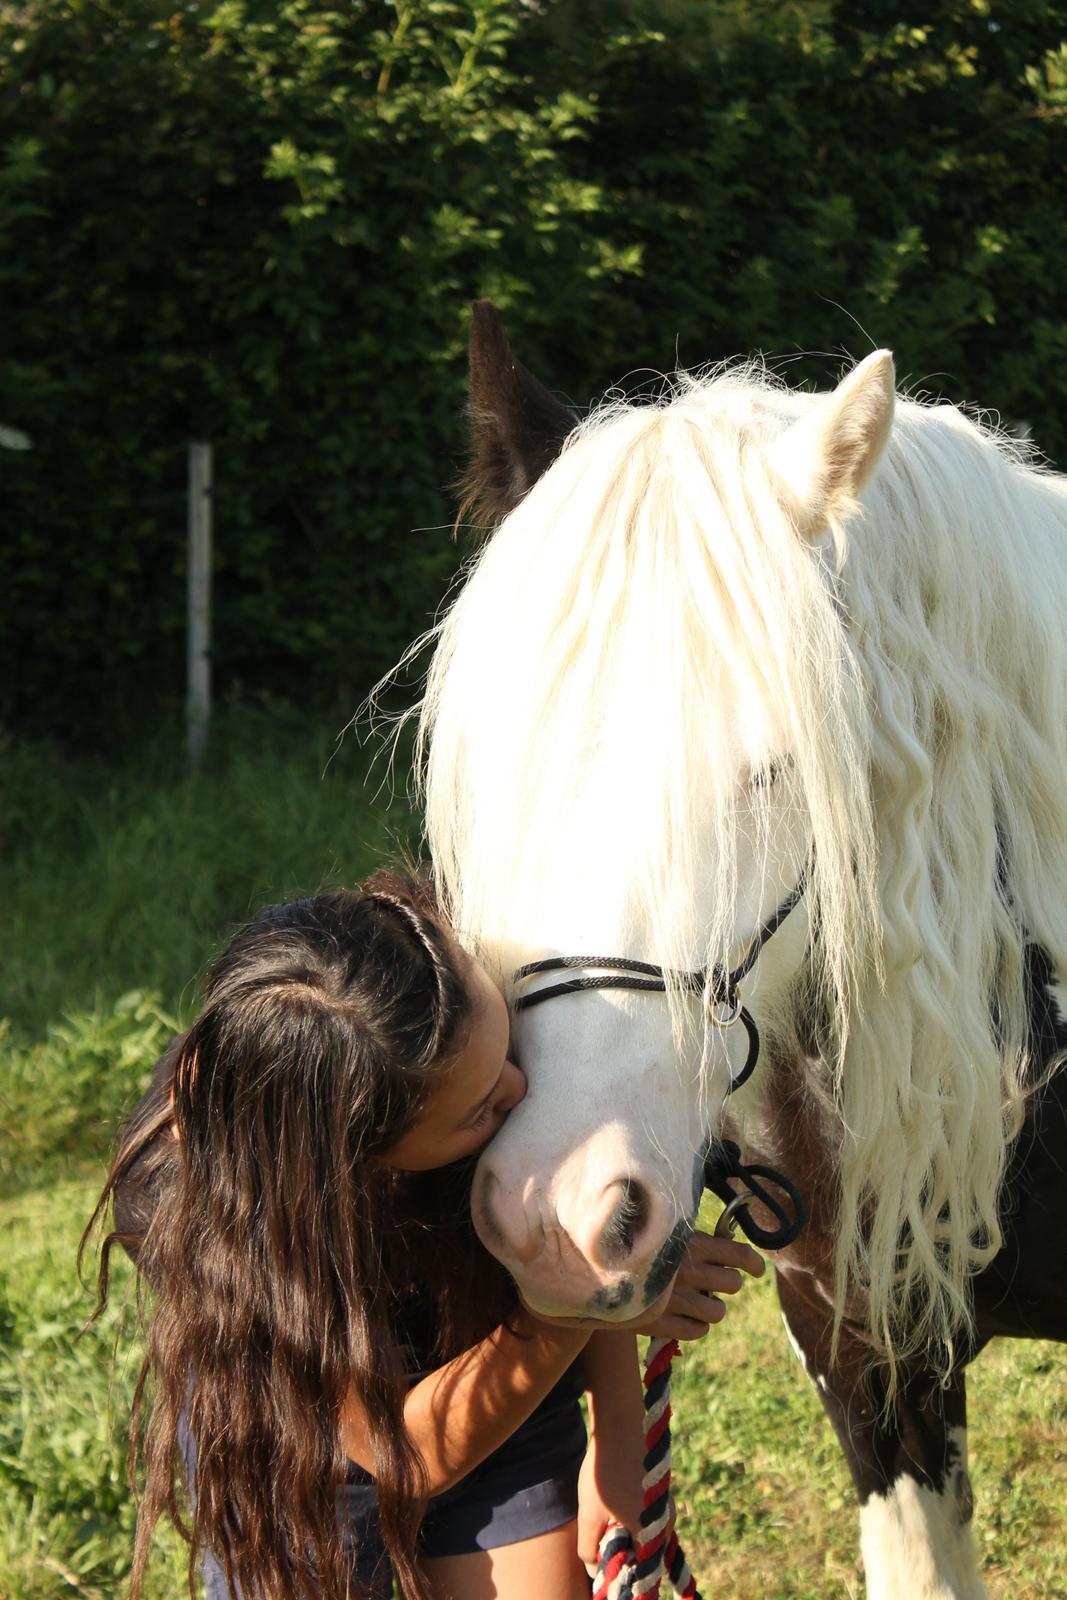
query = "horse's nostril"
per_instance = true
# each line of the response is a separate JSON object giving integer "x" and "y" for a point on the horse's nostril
{"x": 627, "y": 1222}
{"x": 502, "y": 1222}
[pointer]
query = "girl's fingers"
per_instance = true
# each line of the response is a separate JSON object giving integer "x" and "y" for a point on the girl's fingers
{"x": 712, "y": 1280}
{"x": 693, "y": 1303}
{"x": 673, "y": 1326}
{"x": 706, "y": 1250}
{"x": 710, "y": 1267}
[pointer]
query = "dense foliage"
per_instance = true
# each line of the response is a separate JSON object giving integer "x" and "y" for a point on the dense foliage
{"x": 260, "y": 222}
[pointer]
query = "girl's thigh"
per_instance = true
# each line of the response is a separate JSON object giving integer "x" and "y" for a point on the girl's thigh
{"x": 545, "y": 1565}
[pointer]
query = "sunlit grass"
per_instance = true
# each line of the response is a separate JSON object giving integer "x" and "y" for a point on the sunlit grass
{"x": 127, "y": 874}
{"x": 66, "y": 1512}
{"x": 119, "y": 880}
{"x": 117, "y": 884}
{"x": 766, "y": 1506}
{"x": 766, "y": 1510}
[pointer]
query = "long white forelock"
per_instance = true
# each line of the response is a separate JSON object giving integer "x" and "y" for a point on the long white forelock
{"x": 644, "y": 584}
{"x": 622, "y": 617}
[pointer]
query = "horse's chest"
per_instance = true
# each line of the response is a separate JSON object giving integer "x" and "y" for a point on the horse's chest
{"x": 1024, "y": 1292}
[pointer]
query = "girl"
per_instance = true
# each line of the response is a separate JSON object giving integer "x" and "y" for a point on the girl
{"x": 344, "y": 1374}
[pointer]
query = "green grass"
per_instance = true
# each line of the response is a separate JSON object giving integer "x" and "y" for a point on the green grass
{"x": 766, "y": 1506}
{"x": 766, "y": 1510}
{"x": 66, "y": 1513}
{"x": 126, "y": 875}
{"x": 118, "y": 881}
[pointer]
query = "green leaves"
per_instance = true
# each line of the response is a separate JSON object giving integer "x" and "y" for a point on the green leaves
{"x": 263, "y": 223}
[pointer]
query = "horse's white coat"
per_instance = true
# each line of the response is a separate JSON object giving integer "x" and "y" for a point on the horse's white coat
{"x": 801, "y": 1355}
{"x": 657, "y": 621}
{"x": 917, "y": 1545}
{"x": 1058, "y": 993}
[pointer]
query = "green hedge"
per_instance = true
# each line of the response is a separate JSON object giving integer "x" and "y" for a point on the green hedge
{"x": 261, "y": 223}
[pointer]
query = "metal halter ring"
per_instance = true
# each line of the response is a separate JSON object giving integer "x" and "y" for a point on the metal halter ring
{"x": 726, "y": 1226}
{"x": 732, "y": 1016}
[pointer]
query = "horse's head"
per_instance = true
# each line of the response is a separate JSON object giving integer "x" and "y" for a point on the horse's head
{"x": 642, "y": 715}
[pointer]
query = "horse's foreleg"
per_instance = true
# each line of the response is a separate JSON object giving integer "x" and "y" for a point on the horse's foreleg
{"x": 908, "y": 1462}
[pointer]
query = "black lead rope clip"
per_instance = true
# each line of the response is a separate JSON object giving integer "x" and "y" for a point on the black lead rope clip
{"x": 722, "y": 1163}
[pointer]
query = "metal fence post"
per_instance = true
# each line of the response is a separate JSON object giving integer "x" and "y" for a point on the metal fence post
{"x": 198, "y": 659}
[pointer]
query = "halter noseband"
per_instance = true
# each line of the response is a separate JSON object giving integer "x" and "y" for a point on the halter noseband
{"x": 722, "y": 991}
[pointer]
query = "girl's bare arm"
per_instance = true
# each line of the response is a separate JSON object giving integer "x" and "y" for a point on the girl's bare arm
{"x": 459, "y": 1414}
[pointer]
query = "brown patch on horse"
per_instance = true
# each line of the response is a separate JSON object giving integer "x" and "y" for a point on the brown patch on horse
{"x": 517, "y": 425}
{"x": 799, "y": 1132}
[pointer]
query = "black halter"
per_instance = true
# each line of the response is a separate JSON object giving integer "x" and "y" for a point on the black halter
{"x": 722, "y": 992}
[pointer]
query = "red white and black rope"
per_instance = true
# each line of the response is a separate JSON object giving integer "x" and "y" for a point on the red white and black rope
{"x": 623, "y": 1571}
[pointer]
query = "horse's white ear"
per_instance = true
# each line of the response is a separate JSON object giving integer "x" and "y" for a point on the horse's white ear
{"x": 824, "y": 460}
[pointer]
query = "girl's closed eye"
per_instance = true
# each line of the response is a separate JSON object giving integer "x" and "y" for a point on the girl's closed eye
{"x": 508, "y": 1091}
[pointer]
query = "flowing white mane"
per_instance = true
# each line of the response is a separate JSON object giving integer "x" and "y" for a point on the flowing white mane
{"x": 645, "y": 615}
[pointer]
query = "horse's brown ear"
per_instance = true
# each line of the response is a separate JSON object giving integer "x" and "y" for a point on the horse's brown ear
{"x": 517, "y": 425}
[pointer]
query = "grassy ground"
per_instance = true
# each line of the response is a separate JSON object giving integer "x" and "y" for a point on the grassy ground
{"x": 117, "y": 882}
{"x": 126, "y": 874}
{"x": 765, "y": 1505}
{"x": 66, "y": 1515}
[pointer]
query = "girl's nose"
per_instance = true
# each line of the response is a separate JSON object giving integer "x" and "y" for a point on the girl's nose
{"x": 513, "y": 1087}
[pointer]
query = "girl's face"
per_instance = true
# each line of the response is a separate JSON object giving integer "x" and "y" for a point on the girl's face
{"x": 476, "y": 1092}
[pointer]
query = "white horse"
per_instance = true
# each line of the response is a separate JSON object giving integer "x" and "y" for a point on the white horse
{"x": 715, "y": 642}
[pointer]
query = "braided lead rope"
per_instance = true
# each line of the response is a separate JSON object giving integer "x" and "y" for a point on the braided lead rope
{"x": 624, "y": 1573}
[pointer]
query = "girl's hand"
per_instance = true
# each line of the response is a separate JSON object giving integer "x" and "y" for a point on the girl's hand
{"x": 710, "y": 1267}
{"x": 609, "y": 1490}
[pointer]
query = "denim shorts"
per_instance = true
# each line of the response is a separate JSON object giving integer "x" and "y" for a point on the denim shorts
{"x": 526, "y": 1487}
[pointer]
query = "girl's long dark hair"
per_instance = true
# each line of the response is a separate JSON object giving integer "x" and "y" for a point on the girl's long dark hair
{"x": 284, "y": 1261}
